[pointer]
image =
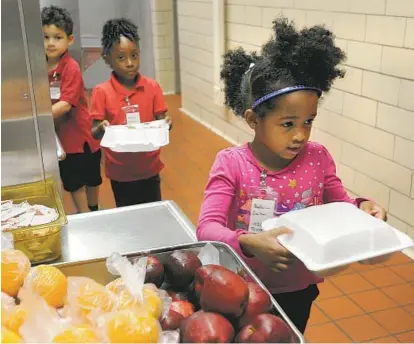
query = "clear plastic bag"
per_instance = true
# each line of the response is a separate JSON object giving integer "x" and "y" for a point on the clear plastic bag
{"x": 49, "y": 282}
{"x": 12, "y": 316}
{"x": 132, "y": 291}
{"x": 14, "y": 268}
{"x": 85, "y": 298}
{"x": 209, "y": 255}
{"x": 7, "y": 241}
{"x": 42, "y": 322}
{"x": 139, "y": 306}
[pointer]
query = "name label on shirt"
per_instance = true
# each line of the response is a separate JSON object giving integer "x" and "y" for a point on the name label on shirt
{"x": 261, "y": 210}
{"x": 55, "y": 93}
{"x": 133, "y": 118}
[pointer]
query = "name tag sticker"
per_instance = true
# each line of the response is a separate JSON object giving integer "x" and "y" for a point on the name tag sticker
{"x": 261, "y": 210}
{"x": 54, "y": 93}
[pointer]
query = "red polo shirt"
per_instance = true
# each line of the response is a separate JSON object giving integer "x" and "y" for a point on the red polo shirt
{"x": 74, "y": 132}
{"x": 107, "y": 101}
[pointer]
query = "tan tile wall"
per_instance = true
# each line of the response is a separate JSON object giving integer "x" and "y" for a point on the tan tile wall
{"x": 367, "y": 121}
{"x": 162, "y": 13}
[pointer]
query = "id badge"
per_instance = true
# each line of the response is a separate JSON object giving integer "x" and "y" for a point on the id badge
{"x": 263, "y": 206}
{"x": 132, "y": 114}
{"x": 54, "y": 88}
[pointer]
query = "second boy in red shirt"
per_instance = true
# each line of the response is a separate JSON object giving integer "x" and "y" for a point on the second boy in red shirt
{"x": 134, "y": 176}
{"x": 80, "y": 171}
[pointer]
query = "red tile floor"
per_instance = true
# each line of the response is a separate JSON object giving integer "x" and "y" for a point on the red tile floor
{"x": 362, "y": 304}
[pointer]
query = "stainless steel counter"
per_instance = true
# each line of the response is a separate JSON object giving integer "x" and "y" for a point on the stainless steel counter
{"x": 124, "y": 230}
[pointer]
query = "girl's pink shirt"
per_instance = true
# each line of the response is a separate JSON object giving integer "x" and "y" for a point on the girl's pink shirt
{"x": 310, "y": 179}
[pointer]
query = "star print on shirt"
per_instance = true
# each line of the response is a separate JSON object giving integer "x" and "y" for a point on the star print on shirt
{"x": 320, "y": 185}
{"x": 292, "y": 183}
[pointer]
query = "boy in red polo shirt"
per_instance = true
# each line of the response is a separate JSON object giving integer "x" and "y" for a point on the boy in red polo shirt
{"x": 134, "y": 176}
{"x": 80, "y": 171}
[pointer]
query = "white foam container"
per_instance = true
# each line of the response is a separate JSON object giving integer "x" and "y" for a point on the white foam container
{"x": 143, "y": 137}
{"x": 336, "y": 234}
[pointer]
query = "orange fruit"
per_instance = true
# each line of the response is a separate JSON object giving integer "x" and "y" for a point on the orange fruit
{"x": 14, "y": 318}
{"x": 129, "y": 326}
{"x": 49, "y": 282}
{"x": 8, "y": 336}
{"x": 77, "y": 334}
{"x": 14, "y": 268}
{"x": 116, "y": 286}
{"x": 86, "y": 295}
{"x": 152, "y": 302}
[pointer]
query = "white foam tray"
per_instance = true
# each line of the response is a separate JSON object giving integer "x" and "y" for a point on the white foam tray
{"x": 336, "y": 234}
{"x": 144, "y": 137}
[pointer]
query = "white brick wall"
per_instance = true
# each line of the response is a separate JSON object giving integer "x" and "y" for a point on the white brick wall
{"x": 386, "y": 30}
{"x": 366, "y": 122}
{"x": 164, "y": 44}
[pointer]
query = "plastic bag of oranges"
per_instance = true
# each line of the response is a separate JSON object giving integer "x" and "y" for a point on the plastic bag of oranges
{"x": 14, "y": 268}
{"x": 85, "y": 298}
{"x": 77, "y": 334}
{"x": 129, "y": 326}
{"x": 130, "y": 288}
{"x": 8, "y": 336}
{"x": 7, "y": 302}
{"x": 14, "y": 317}
{"x": 48, "y": 282}
{"x": 41, "y": 322}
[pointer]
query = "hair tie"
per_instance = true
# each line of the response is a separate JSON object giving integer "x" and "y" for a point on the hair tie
{"x": 250, "y": 68}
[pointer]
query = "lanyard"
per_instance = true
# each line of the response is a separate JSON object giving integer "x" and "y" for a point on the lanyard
{"x": 127, "y": 101}
{"x": 263, "y": 176}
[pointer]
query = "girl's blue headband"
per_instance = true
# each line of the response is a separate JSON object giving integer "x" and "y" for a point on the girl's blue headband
{"x": 281, "y": 91}
{"x": 284, "y": 91}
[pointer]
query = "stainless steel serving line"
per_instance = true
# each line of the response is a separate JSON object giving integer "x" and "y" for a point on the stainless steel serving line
{"x": 128, "y": 229}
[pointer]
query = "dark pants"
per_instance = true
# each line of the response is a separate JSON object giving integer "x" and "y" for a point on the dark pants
{"x": 297, "y": 305}
{"x": 137, "y": 192}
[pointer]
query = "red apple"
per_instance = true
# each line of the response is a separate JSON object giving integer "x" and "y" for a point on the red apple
{"x": 259, "y": 302}
{"x": 181, "y": 267}
{"x": 172, "y": 321}
{"x": 178, "y": 295}
{"x": 206, "y": 327}
{"x": 224, "y": 292}
{"x": 155, "y": 271}
{"x": 201, "y": 273}
{"x": 265, "y": 328}
{"x": 185, "y": 308}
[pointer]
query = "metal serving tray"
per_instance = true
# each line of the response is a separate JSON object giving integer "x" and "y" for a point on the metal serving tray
{"x": 96, "y": 269}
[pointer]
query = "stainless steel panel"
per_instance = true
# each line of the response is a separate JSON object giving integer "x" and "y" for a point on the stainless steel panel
{"x": 40, "y": 88}
{"x": 96, "y": 269}
{"x": 28, "y": 138}
{"x": 72, "y": 6}
{"x": 21, "y": 158}
{"x": 127, "y": 229}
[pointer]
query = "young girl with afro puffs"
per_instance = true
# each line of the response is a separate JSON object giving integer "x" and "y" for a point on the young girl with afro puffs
{"x": 277, "y": 92}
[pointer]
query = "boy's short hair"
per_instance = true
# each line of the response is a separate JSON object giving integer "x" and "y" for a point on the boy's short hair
{"x": 58, "y": 16}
